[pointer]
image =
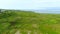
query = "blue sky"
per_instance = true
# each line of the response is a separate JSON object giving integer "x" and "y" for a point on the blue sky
{"x": 28, "y": 4}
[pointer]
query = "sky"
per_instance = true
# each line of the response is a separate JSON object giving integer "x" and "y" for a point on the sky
{"x": 28, "y": 4}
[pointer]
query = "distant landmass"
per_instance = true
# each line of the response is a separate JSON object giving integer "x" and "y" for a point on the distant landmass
{"x": 53, "y": 10}
{"x": 49, "y": 10}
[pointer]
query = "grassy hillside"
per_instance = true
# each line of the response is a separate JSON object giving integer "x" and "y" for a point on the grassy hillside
{"x": 28, "y": 22}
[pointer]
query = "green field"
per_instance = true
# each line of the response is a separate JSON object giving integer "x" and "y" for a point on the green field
{"x": 28, "y": 22}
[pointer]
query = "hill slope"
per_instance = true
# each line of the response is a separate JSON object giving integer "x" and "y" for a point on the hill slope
{"x": 24, "y": 22}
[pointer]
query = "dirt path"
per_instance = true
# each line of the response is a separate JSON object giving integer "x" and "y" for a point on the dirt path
{"x": 17, "y": 32}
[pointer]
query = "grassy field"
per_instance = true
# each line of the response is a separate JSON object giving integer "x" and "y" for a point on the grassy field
{"x": 28, "y": 22}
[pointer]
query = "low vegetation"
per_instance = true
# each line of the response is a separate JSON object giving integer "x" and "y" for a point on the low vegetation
{"x": 28, "y": 22}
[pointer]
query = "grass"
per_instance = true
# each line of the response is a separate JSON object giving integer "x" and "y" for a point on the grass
{"x": 26, "y": 22}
